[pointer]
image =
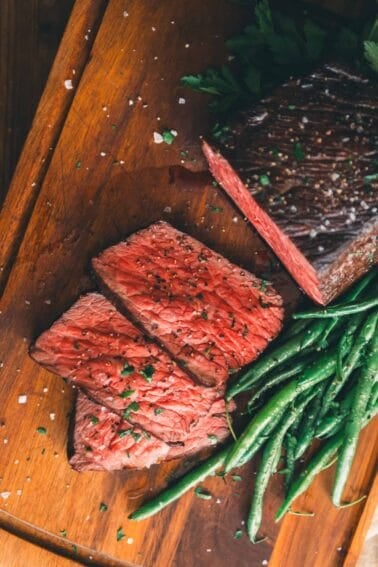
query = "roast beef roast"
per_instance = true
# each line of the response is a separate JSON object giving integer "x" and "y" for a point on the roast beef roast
{"x": 302, "y": 167}
{"x": 211, "y": 315}
{"x": 98, "y": 349}
{"x": 137, "y": 404}
{"x": 102, "y": 440}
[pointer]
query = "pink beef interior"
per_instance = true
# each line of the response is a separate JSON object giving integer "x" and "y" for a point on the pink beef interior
{"x": 210, "y": 314}
{"x": 298, "y": 266}
{"x": 95, "y": 347}
{"x": 104, "y": 441}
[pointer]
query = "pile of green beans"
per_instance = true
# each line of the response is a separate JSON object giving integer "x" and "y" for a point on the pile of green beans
{"x": 319, "y": 380}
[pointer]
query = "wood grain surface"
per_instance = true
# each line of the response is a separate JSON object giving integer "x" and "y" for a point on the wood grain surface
{"x": 105, "y": 179}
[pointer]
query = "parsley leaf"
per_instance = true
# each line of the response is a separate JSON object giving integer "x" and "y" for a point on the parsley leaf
{"x": 134, "y": 406}
{"x": 371, "y": 54}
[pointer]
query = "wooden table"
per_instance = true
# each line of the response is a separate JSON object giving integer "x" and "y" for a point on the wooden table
{"x": 89, "y": 175}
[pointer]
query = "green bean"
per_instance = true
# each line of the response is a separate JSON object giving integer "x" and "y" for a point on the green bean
{"x": 281, "y": 376}
{"x": 308, "y": 424}
{"x": 294, "y": 329}
{"x": 272, "y": 411}
{"x": 353, "y": 360}
{"x": 338, "y": 310}
{"x": 185, "y": 483}
{"x": 353, "y": 426}
{"x": 329, "y": 424}
{"x": 291, "y": 442}
{"x": 269, "y": 461}
{"x": 317, "y": 463}
{"x": 304, "y": 480}
{"x": 346, "y": 341}
{"x": 276, "y": 357}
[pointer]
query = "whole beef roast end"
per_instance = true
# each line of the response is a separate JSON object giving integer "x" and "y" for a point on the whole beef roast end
{"x": 302, "y": 167}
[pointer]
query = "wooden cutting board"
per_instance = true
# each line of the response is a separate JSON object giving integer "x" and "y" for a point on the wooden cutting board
{"x": 90, "y": 174}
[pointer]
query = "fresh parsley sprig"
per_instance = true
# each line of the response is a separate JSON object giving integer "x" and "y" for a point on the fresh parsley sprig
{"x": 274, "y": 47}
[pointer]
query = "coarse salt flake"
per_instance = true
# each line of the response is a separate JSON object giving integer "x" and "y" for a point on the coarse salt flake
{"x": 181, "y": 100}
{"x": 52, "y": 416}
{"x": 158, "y": 138}
{"x": 5, "y": 495}
{"x": 22, "y": 399}
{"x": 130, "y": 540}
{"x": 68, "y": 84}
{"x": 102, "y": 154}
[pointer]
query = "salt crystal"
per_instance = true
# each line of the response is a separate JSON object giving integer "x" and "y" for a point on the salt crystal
{"x": 167, "y": 210}
{"x": 304, "y": 119}
{"x": 5, "y": 495}
{"x": 102, "y": 154}
{"x": 125, "y": 14}
{"x": 45, "y": 389}
{"x": 264, "y": 562}
{"x": 5, "y": 441}
{"x": 187, "y": 45}
{"x": 18, "y": 492}
{"x": 181, "y": 100}
{"x": 131, "y": 102}
{"x": 22, "y": 399}
{"x": 312, "y": 233}
{"x": 335, "y": 176}
{"x": 209, "y": 550}
{"x": 68, "y": 84}
{"x": 174, "y": 132}
{"x": 153, "y": 29}
{"x": 158, "y": 138}
{"x": 130, "y": 540}
{"x": 52, "y": 416}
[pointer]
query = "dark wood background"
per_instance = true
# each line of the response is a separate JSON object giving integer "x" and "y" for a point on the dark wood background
{"x": 30, "y": 32}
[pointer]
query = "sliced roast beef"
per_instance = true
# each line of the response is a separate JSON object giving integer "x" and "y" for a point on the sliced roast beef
{"x": 210, "y": 314}
{"x": 302, "y": 167}
{"x": 97, "y": 348}
{"x": 102, "y": 440}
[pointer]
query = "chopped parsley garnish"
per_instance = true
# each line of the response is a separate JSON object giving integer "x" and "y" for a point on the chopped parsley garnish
{"x": 78, "y": 164}
{"x": 88, "y": 448}
{"x": 264, "y": 180}
{"x": 370, "y": 178}
{"x": 76, "y": 345}
{"x": 120, "y": 534}
{"x": 168, "y": 137}
{"x": 204, "y": 314}
{"x": 199, "y": 295}
{"x": 272, "y": 47}
{"x": 63, "y": 533}
{"x": 213, "y": 438}
{"x": 134, "y": 406}
{"x": 158, "y": 410}
{"x": 124, "y": 432}
{"x": 94, "y": 420}
{"x": 298, "y": 152}
{"x": 126, "y": 393}
{"x": 201, "y": 493}
{"x": 42, "y": 430}
{"x": 136, "y": 436}
{"x": 263, "y": 285}
{"x": 263, "y": 303}
{"x": 74, "y": 548}
{"x": 238, "y": 534}
{"x": 236, "y": 478}
{"x": 103, "y": 507}
{"x": 215, "y": 209}
{"x": 127, "y": 370}
{"x": 147, "y": 372}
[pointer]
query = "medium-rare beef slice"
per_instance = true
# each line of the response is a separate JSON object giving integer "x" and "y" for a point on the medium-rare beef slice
{"x": 302, "y": 167}
{"x": 102, "y": 440}
{"x": 97, "y": 348}
{"x": 210, "y": 314}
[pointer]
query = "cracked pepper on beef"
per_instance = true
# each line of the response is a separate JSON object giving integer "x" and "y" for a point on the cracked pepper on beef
{"x": 95, "y": 347}
{"x": 138, "y": 406}
{"x": 211, "y": 315}
{"x": 302, "y": 167}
